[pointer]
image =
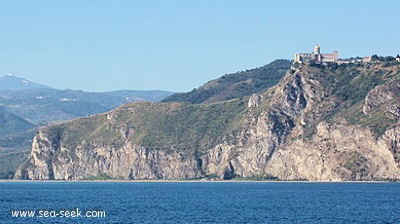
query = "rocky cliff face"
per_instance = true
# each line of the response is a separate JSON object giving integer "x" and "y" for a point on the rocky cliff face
{"x": 320, "y": 123}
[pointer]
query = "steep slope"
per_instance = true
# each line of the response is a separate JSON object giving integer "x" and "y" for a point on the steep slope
{"x": 235, "y": 85}
{"x": 321, "y": 123}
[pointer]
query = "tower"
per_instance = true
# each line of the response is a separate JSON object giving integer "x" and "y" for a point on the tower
{"x": 317, "y": 50}
{"x": 335, "y": 56}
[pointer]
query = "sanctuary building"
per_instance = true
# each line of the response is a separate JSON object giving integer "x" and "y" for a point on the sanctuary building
{"x": 316, "y": 56}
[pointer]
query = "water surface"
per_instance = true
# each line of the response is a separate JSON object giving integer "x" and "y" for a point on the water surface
{"x": 204, "y": 202}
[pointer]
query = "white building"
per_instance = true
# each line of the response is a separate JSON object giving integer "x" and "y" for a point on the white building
{"x": 316, "y": 56}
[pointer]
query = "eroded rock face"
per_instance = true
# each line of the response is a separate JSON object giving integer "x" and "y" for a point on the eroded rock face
{"x": 129, "y": 162}
{"x": 339, "y": 152}
{"x": 385, "y": 96}
{"x": 270, "y": 143}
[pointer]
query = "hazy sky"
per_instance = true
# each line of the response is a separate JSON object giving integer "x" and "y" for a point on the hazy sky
{"x": 178, "y": 45}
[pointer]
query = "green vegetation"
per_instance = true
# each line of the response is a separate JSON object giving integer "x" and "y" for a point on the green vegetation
{"x": 191, "y": 128}
{"x": 9, "y": 163}
{"x": 98, "y": 177}
{"x": 346, "y": 87}
{"x": 355, "y": 162}
{"x": 212, "y": 176}
{"x": 267, "y": 177}
{"x": 206, "y": 177}
{"x": 235, "y": 85}
{"x": 379, "y": 121}
{"x": 382, "y": 58}
{"x": 195, "y": 127}
{"x": 348, "y": 82}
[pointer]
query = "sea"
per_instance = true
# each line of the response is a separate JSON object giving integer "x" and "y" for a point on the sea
{"x": 199, "y": 202}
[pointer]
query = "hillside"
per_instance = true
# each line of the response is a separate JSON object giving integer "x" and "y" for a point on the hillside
{"x": 320, "y": 122}
{"x": 235, "y": 85}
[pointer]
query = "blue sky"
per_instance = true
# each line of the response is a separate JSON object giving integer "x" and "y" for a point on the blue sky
{"x": 179, "y": 45}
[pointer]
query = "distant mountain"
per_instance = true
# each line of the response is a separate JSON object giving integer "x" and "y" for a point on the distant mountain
{"x": 41, "y": 106}
{"x": 235, "y": 85}
{"x": 11, "y": 82}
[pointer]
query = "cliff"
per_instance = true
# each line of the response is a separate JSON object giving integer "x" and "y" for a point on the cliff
{"x": 319, "y": 123}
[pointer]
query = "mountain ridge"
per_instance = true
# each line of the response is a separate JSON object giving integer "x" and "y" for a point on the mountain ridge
{"x": 14, "y": 83}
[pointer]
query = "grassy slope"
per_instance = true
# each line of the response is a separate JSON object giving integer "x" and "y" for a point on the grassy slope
{"x": 192, "y": 128}
{"x": 235, "y": 85}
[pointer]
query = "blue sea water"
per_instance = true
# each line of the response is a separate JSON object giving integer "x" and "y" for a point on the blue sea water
{"x": 203, "y": 202}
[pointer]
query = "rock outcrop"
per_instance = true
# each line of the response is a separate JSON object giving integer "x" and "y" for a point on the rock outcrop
{"x": 320, "y": 123}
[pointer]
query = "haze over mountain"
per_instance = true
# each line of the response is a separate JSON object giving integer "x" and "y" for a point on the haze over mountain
{"x": 12, "y": 82}
{"x": 40, "y": 104}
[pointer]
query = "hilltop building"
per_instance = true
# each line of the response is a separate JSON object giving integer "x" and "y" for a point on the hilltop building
{"x": 316, "y": 56}
{"x": 355, "y": 60}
